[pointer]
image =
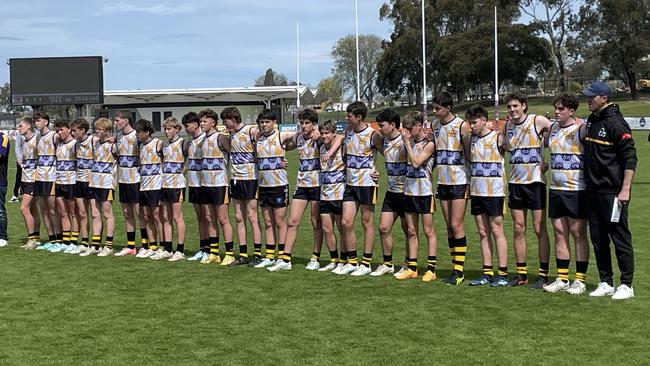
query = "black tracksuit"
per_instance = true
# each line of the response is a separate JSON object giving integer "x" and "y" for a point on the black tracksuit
{"x": 609, "y": 151}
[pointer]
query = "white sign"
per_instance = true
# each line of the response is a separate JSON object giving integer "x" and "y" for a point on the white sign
{"x": 638, "y": 123}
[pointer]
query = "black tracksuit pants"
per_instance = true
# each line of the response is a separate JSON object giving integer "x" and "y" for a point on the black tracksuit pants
{"x": 599, "y": 213}
{"x": 19, "y": 176}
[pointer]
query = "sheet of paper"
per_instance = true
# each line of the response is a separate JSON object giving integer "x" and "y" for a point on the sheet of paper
{"x": 616, "y": 210}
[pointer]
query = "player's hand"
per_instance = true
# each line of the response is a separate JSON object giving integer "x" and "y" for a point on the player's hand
{"x": 284, "y": 163}
{"x": 326, "y": 156}
{"x": 374, "y": 175}
{"x": 624, "y": 196}
{"x": 543, "y": 166}
{"x": 406, "y": 134}
{"x": 20, "y": 163}
{"x": 315, "y": 134}
{"x": 111, "y": 139}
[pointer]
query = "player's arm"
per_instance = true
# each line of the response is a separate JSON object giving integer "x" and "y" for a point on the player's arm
{"x": 542, "y": 126}
{"x": 254, "y": 134}
{"x": 417, "y": 160}
{"x": 336, "y": 144}
{"x": 289, "y": 140}
{"x": 224, "y": 142}
{"x": 582, "y": 132}
{"x": 4, "y": 145}
{"x": 377, "y": 141}
{"x": 467, "y": 144}
{"x": 501, "y": 143}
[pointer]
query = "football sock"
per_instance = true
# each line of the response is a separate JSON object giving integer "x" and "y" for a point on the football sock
{"x": 230, "y": 248}
{"x": 270, "y": 251}
{"x": 431, "y": 263}
{"x": 562, "y": 269}
{"x": 243, "y": 250}
{"x": 487, "y": 270}
{"x": 543, "y": 271}
{"x": 388, "y": 260}
{"x": 581, "y": 271}
{"x": 366, "y": 259}
{"x": 522, "y": 270}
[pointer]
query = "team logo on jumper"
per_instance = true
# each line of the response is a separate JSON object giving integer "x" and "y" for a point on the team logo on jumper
{"x": 602, "y": 133}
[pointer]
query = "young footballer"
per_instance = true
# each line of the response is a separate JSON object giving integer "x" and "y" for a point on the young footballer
{"x": 83, "y": 194}
{"x": 173, "y": 188}
{"x": 102, "y": 182}
{"x": 525, "y": 135}
{"x": 485, "y": 149}
{"x": 393, "y": 206}
{"x": 128, "y": 176}
{"x": 452, "y": 179}
{"x": 361, "y": 144}
{"x": 151, "y": 181}
{"x": 214, "y": 187}
{"x": 418, "y": 195}
{"x": 567, "y": 201}
{"x": 192, "y": 124}
{"x": 66, "y": 181}
{"x": 28, "y": 206}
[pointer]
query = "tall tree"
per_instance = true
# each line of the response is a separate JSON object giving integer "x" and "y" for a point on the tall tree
{"x": 5, "y": 100}
{"x": 329, "y": 88}
{"x": 552, "y": 18}
{"x": 345, "y": 64}
{"x": 271, "y": 78}
{"x": 618, "y": 30}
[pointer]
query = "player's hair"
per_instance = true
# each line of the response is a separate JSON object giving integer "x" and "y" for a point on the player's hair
{"x": 41, "y": 115}
{"x": 80, "y": 123}
{"x": 308, "y": 114}
{"x": 412, "y": 118}
{"x": 124, "y": 113}
{"x": 327, "y": 126}
{"x": 209, "y": 113}
{"x": 231, "y": 113}
{"x": 476, "y": 111}
{"x": 190, "y": 117}
{"x": 357, "y": 108}
{"x": 390, "y": 116}
{"x": 444, "y": 99}
{"x": 29, "y": 121}
{"x": 173, "y": 123}
{"x": 268, "y": 114}
{"x": 568, "y": 101}
{"x": 520, "y": 97}
{"x": 62, "y": 123}
{"x": 103, "y": 123}
{"x": 143, "y": 125}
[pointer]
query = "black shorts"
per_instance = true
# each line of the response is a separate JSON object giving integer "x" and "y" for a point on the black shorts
{"x": 44, "y": 189}
{"x": 215, "y": 195}
{"x": 67, "y": 191}
{"x": 103, "y": 194}
{"x": 243, "y": 189}
{"x": 393, "y": 202}
{"x": 172, "y": 195}
{"x": 571, "y": 204}
{"x": 150, "y": 198}
{"x": 195, "y": 195}
{"x": 331, "y": 207}
{"x": 28, "y": 188}
{"x": 274, "y": 197}
{"x": 527, "y": 196}
{"x": 307, "y": 193}
{"x": 492, "y": 206}
{"x": 362, "y": 195}
{"x": 452, "y": 192}
{"x": 83, "y": 190}
{"x": 129, "y": 192}
{"x": 419, "y": 204}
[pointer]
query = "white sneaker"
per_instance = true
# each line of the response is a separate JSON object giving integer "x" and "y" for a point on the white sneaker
{"x": 339, "y": 268}
{"x": 402, "y": 269}
{"x": 14, "y": 199}
{"x": 3, "y": 243}
{"x": 148, "y": 254}
{"x": 265, "y": 263}
{"x": 603, "y": 289}
{"x": 60, "y": 248}
{"x": 331, "y": 266}
{"x": 383, "y": 270}
{"x": 348, "y": 268}
{"x": 557, "y": 286}
{"x": 576, "y": 288}
{"x": 78, "y": 250}
{"x": 125, "y": 252}
{"x": 71, "y": 247}
{"x": 196, "y": 257}
{"x": 105, "y": 252}
{"x": 623, "y": 292}
{"x": 154, "y": 253}
{"x": 89, "y": 251}
{"x": 313, "y": 265}
{"x": 280, "y": 266}
{"x": 141, "y": 252}
{"x": 163, "y": 254}
{"x": 178, "y": 256}
{"x": 361, "y": 271}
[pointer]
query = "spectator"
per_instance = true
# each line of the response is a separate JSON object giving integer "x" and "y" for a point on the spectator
{"x": 4, "y": 159}
{"x": 20, "y": 139}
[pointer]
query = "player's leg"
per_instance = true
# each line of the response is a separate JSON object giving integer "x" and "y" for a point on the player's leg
{"x": 386, "y": 222}
{"x": 297, "y": 209}
{"x": 328, "y": 225}
{"x": 455, "y": 219}
{"x": 544, "y": 246}
{"x": 107, "y": 214}
{"x": 412, "y": 222}
{"x": 29, "y": 210}
{"x": 578, "y": 228}
{"x": 485, "y": 239}
{"x": 269, "y": 236}
{"x": 82, "y": 217}
{"x": 47, "y": 221}
{"x": 519, "y": 243}
{"x": 221, "y": 212}
{"x": 65, "y": 224}
{"x": 349, "y": 214}
{"x": 74, "y": 224}
{"x": 561, "y": 233}
{"x": 179, "y": 220}
{"x": 318, "y": 235}
{"x": 496, "y": 227}
{"x": 432, "y": 246}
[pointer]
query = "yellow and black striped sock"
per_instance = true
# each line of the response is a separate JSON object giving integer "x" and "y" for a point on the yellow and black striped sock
{"x": 488, "y": 271}
{"x": 352, "y": 257}
{"x": 257, "y": 250}
{"x": 74, "y": 237}
{"x": 432, "y": 261}
{"x": 503, "y": 271}
{"x": 109, "y": 242}
{"x": 562, "y": 269}
{"x": 522, "y": 270}
{"x": 59, "y": 238}
{"x": 144, "y": 238}
{"x": 97, "y": 239}
{"x": 458, "y": 254}
{"x": 130, "y": 239}
{"x": 366, "y": 259}
{"x": 315, "y": 256}
{"x": 270, "y": 251}
{"x": 153, "y": 246}
{"x": 230, "y": 248}
{"x": 66, "y": 237}
{"x": 214, "y": 245}
{"x": 334, "y": 256}
{"x": 180, "y": 247}
{"x": 581, "y": 271}
{"x": 286, "y": 257}
{"x": 84, "y": 242}
{"x": 243, "y": 250}
{"x": 344, "y": 257}
{"x": 412, "y": 264}
{"x": 388, "y": 261}
{"x": 280, "y": 250}
{"x": 204, "y": 245}
{"x": 32, "y": 236}
{"x": 543, "y": 271}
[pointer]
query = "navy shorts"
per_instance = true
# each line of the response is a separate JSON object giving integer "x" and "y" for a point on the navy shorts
{"x": 243, "y": 189}
{"x": 66, "y": 191}
{"x": 393, "y": 202}
{"x": 571, "y": 204}
{"x": 129, "y": 192}
{"x": 274, "y": 197}
{"x": 307, "y": 193}
{"x": 452, "y": 192}
{"x": 527, "y": 196}
{"x": 362, "y": 195}
{"x": 419, "y": 204}
{"x": 84, "y": 191}
{"x": 492, "y": 206}
{"x": 331, "y": 208}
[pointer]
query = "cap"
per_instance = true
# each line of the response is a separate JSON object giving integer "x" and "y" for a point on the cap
{"x": 598, "y": 88}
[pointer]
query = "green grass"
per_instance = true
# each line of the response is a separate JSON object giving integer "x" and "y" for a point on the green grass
{"x": 60, "y": 309}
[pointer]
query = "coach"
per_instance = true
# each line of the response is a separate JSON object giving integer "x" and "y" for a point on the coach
{"x": 610, "y": 162}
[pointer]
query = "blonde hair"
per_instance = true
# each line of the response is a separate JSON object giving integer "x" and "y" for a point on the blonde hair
{"x": 172, "y": 122}
{"x": 103, "y": 123}
{"x": 411, "y": 119}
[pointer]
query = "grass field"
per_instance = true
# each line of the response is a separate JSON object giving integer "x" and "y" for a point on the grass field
{"x": 60, "y": 309}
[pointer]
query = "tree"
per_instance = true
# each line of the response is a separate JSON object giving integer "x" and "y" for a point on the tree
{"x": 554, "y": 22}
{"x": 5, "y": 100}
{"x": 345, "y": 64}
{"x": 618, "y": 31}
{"x": 271, "y": 78}
{"x": 330, "y": 89}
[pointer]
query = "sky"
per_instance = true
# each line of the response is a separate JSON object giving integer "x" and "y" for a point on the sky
{"x": 186, "y": 44}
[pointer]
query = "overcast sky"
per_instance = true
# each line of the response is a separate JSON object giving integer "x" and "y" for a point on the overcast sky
{"x": 185, "y": 44}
